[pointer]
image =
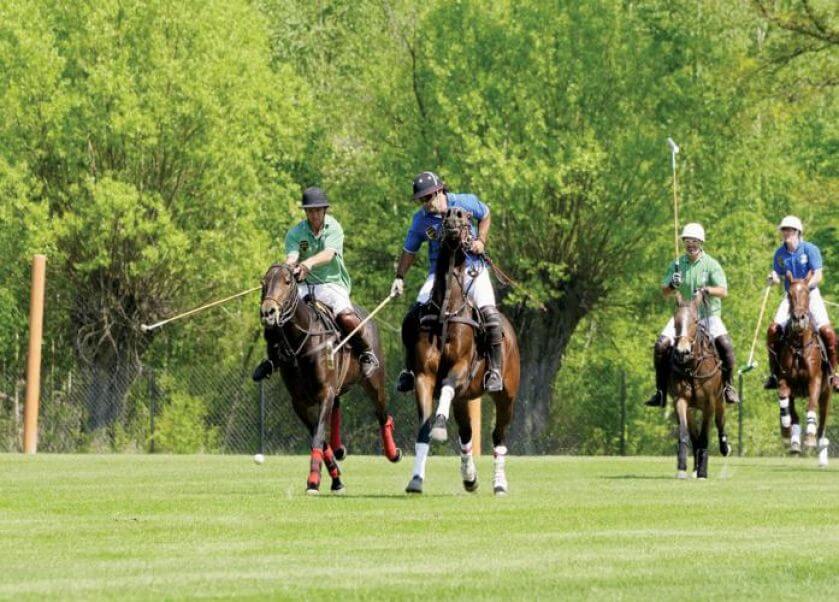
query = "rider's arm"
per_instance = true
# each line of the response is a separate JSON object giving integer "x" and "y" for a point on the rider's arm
{"x": 816, "y": 278}
{"x": 406, "y": 259}
{"x": 321, "y": 258}
{"x": 291, "y": 258}
{"x": 483, "y": 227}
{"x": 717, "y": 291}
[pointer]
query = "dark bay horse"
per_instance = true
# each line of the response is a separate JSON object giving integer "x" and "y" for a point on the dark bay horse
{"x": 802, "y": 373}
{"x": 696, "y": 385}
{"x": 299, "y": 345}
{"x": 449, "y": 362}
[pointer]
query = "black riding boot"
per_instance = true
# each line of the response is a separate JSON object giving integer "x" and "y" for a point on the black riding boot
{"x": 361, "y": 346}
{"x": 661, "y": 353}
{"x": 263, "y": 370}
{"x": 492, "y": 322}
{"x": 725, "y": 347}
{"x": 773, "y": 336}
{"x": 410, "y": 330}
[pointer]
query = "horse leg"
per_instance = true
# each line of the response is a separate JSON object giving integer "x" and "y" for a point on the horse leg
{"x": 468, "y": 471}
{"x": 794, "y": 429}
{"x": 719, "y": 418}
{"x": 375, "y": 389}
{"x": 682, "y": 455}
{"x": 333, "y": 468}
{"x": 702, "y": 447}
{"x": 335, "y": 431}
{"x": 503, "y": 417}
{"x": 693, "y": 431}
{"x": 824, "y": 442}
{"x": 424, "y": 390}
{"x": 455, "y": 377}
{"x": 318, "y": 440}
{"x": 814, "y": 391}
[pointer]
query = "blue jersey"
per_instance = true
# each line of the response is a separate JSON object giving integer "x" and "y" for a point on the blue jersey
{"x": 426, "y": 226}
{"x": 800, "y": 262}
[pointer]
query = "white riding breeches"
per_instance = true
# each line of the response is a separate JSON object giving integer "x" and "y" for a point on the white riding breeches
{"x": 478, "y": 289}
{"x": 713, "y": 324}
{"x": 818, "y": 311}
{"x": 334, "y": 296}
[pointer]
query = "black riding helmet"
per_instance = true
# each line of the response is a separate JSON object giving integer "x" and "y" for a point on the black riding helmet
{"x": 314, "y": 197}
{"x": 427, "y": 183}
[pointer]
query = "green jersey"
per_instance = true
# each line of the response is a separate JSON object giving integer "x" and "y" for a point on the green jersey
{"x": 705, "y": 271}
{"x": 301, "y": 240}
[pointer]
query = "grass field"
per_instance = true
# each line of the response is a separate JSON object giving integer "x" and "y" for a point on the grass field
{"x": 151, "y": 527}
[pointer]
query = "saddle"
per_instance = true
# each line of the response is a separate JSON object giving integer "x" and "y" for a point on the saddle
{"x": 430, "y": 322}
{"x": 324, "y": 314}
{"x": 784, "y": 339}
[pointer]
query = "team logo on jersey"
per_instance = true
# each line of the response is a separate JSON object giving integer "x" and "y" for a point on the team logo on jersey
{"x": 803, "y": 259}
{"x": 431, "y": 232}
{"x": 304, "y": 246}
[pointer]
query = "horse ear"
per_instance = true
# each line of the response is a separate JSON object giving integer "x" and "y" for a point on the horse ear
{"x": 789, "y": 276}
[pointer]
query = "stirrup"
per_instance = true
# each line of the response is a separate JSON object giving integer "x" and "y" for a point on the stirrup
{"x": 656, "y": 401}
{"x": 405, "y": 382}
{"x": 771, "y": 382}
{"x": 730, "y": 394}
{"x": 492, "y": 381}
{"x": 369, "y": 363}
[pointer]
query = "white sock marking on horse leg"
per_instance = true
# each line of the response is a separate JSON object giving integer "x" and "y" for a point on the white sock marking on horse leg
{"x": 795, "y": 434}
{"x": 421, "y": 450}
{"x": 783, "y": 403}
{"x": 811, "y": 422}
{"x": 445, "y": 404}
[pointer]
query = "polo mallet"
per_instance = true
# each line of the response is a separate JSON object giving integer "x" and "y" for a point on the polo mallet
{"x": 330, "y": 360}
{"x": 674, "y": 150}
{"x": 147, "y": 328}
{"x": 750, "y": 365}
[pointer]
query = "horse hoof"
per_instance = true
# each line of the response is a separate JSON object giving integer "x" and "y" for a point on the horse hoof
{"x": 312, "y": 490}
{"x": 701, "y": 478}
{"x": 439, "y": 431}
{"x": 340, "y": 453}
{"x": 693, "y": 475}
{"x": 415, "y": 486}
{"x": 682, "y": 474}
{"x": 338, "y": 488}
{"x": 396, "y": 457}
{"x": 499, "y": 491}
{"x": 795, "y": 448}
{"x": 471, "y": 486}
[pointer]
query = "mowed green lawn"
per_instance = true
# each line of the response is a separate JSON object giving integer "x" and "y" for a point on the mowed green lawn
{"x": 152, "y": 527}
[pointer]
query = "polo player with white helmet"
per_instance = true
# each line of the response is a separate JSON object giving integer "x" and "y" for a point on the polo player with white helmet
{"x": 799, "y": 258}
{"x": 694, "y": 271}
{"x": 426, "y": 226}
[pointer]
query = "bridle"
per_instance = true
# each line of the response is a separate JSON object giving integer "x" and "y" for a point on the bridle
{"x": 696, "y": 357}
{"x": 288, "y": 305}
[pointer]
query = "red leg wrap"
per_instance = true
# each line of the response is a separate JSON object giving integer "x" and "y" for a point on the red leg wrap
{"x": 314, "y": 471}
{"x": 331, "y": 464}
{"x": 388, "y": 443}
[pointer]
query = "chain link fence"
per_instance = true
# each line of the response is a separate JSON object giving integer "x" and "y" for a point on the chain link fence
{"x": 203, "y": 408}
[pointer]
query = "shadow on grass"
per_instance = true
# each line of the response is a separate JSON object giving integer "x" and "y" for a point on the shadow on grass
{"x": 639, "y": 477}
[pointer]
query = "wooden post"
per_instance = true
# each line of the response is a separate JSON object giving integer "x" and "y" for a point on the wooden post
{"x": 475, "y": 419}
{"x": 33, "y": 358}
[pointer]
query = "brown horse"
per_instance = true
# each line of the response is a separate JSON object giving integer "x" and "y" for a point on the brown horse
{"x": 696, "y": 383}
{"x": 449, "y": 362}
{"x": 300, "y": 341}
{"x": 802, "y": 373}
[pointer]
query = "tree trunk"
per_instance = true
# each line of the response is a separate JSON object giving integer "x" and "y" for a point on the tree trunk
{"x": 111, "y": 378}
{"x": 543, "y": 337}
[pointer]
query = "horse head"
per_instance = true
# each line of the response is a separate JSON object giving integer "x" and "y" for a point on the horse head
{"x": 457, "y": 228}
{"x": 799, "y": 302}
{"x": 279, "y": 296}
{"x": 686, "y": 321}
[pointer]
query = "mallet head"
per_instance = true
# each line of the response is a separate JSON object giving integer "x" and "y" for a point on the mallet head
{"x": 674, "y": 148}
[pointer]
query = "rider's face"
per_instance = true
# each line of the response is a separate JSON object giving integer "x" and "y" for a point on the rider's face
{"x": 693, "y": 246}
{"x": 790, "y": 235}
{"x": 435, "y": 202}
{"x": 316, "y": 216}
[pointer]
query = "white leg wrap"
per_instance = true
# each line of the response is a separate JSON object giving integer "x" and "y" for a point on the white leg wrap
{"x": 783, "y": 402}
{"x": 466, "y": 448}
{"x": 811, "y": 423}
{"x": 445, "y": 404}
{"x": 824, "y": 444}
{"x": 468, "y": 471}
{"x": 420, "y": 459}
{"x": 795, "y": 434}
{"x": 499, "y": 460}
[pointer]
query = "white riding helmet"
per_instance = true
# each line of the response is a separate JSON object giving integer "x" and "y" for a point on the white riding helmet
{"x": 791, "y": 221}
{"x": 694, "y": 231}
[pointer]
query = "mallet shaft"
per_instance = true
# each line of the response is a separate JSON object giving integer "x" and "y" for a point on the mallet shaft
{"x": 362, "y": 323}
{"x": 147, "y": 328}
{"x": 757, "y": 326}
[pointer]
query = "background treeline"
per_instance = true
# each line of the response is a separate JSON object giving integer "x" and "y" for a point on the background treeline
{"x": 156, "y": 150}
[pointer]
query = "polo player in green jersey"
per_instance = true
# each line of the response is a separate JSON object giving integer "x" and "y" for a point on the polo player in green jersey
{"x": 696, "y": 271}
{"x": 315, "y": 249}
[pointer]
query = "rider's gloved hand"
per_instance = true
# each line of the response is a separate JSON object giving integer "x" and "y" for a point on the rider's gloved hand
{"x": 772, "y": 278}
{"x": 477, "y": 247}
{"x": 397, "y": 288}
{"x": 676, "y": 280}
{"x": 301, "y": 271}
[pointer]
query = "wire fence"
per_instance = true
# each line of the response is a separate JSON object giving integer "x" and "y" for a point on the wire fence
{"x": 205, "y": 408}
